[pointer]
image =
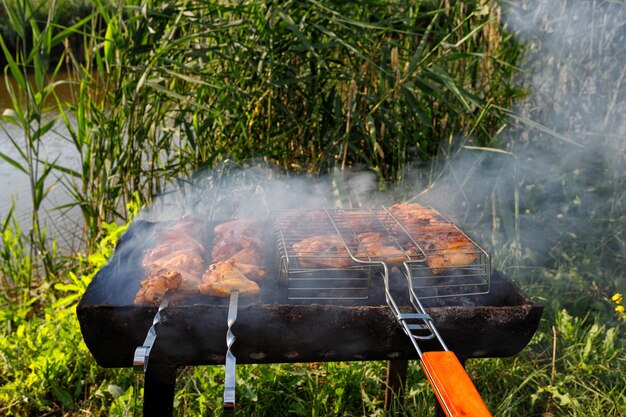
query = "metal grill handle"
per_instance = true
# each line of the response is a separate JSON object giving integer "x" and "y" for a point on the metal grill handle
{"x": 142, "y": 353}
{"x": 230, "y": 379}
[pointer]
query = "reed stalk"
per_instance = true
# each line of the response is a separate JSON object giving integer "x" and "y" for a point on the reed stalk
{"x": 30, "y": 98}
{"x": 419, "y": 94}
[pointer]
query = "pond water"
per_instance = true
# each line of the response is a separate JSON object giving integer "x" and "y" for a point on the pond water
{"x": 15, "y": 185}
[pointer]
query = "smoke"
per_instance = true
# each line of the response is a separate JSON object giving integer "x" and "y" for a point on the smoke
{"x": 558, "y": 180}
{"x": 575, "y": 66}
{"x": 562, "y": 177}
{"x": 254, "y": 189}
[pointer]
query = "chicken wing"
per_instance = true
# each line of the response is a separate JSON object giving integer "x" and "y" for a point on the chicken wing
{"x": 175, "y": 264}
{"x": 445, "y": 245}
{"x": 221, "y": 278}
{"x": 240, "y": 241}
{"x": 152, "y": 290}
{"x": 322, "y": 250}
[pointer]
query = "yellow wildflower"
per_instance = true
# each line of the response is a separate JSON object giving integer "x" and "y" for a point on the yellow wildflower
{"x": 619, "y": 308}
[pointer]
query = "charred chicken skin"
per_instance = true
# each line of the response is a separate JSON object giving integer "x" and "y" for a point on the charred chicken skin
{"x": 152, "y": 290}
{"x": 175, "y": 264}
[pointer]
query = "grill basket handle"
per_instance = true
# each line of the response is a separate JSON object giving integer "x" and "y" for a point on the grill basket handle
{"x": 454, "y": 389}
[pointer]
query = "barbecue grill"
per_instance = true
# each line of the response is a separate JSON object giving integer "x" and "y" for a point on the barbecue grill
{"x": 378, "y": 240}
{"x": 313, "y": 310}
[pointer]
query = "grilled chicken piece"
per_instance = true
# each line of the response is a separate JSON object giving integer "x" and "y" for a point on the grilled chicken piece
{"x": 412, "y": 209}
{"x": 383, "y": 253}
{"x": 447, "y": 250}
{"x": 221, "y": 278}
{"x": 360, "y": 221}
{"x": 223, "y": 249}
{"x": 165, "y": 248}
{"x": 188, "y": 225}
{"x": 322, "y": 250}
{"x": 248, "y": 255}
{"x": 152, "y": 290}
{"x": 414, "y": 214}
{"x": 445, "y": 245}
{"x": 254, "y": 272}
{"x": 381, "y": 248}
{"x": 234, "y": 230}
{"x": 440, "y": 262}
{"x": 240, "y": 241}
{"x": 250, "y": 261}
{"x": 175, "y": 264}
{"x": 178, "y": 261}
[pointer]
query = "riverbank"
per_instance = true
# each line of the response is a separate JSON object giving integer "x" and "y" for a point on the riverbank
{"x": 63, "y": 222}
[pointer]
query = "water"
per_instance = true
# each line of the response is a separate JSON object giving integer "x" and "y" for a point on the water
{"x": 64, "y": 224}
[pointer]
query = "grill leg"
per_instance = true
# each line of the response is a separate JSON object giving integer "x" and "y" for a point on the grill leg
{"x": 396, "y": 379}
{"x": 158, "y": 394}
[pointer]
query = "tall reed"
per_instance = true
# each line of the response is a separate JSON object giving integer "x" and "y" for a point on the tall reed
{"x": 308, "y": 85}
{"x": 30, "y": 98}
{"x": 164, "y": 89}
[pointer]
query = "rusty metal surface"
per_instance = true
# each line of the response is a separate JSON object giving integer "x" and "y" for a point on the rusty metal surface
{"x": 274, "y": 333}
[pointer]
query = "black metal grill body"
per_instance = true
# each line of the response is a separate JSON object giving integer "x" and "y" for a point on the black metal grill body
{"x": 273, "y": 329}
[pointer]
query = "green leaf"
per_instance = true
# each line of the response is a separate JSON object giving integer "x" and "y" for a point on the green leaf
{"x": 538, "y": 126}
{"x": 115, "y": 390}
{"x": 67, "y": 31}
{"x": 63, "y": 396}
{"x": 109, "y": 42}
{"x": 61, "y": 302}
{"x": 40, "y": 190}
{"x": 296, "y": 31}
{"x": 65, "y": 287}
{"x": 97, "y": 259}
{"x": 13, "y": 66}
{"x": 42, "y": 130}
{"x": 13, "y": 162}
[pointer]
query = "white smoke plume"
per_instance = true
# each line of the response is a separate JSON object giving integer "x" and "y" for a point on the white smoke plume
{"x": 558, "y": 177}
{"x": 562, "y": 177}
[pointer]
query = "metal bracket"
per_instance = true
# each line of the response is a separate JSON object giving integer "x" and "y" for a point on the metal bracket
{"x": 231, "y": 362}
{"x": 142, "y": 353}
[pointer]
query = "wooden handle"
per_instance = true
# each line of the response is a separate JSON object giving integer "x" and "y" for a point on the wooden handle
{"x": 454, "y": 389}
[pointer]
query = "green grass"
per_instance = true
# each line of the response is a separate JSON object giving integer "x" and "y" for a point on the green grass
{"x": 162, "y": 90}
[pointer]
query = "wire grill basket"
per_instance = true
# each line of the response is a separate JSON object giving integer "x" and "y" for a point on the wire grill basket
{"x": 332, "y": 253}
